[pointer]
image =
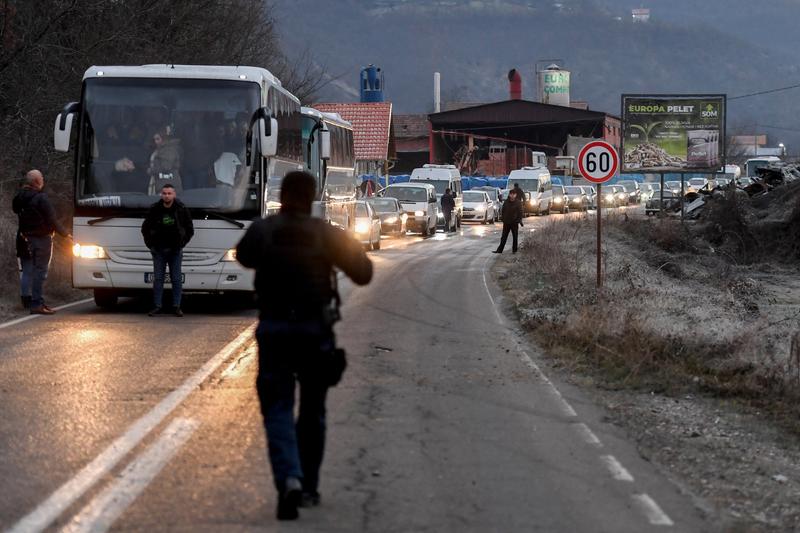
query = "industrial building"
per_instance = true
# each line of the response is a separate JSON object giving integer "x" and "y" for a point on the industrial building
{"x": 493, "y": 139}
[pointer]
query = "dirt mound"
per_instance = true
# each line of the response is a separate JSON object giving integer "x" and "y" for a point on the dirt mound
{"x": 758, "y": 228}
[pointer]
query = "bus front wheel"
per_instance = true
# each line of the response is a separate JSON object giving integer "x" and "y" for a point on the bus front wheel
{"x": 105, "y": 298}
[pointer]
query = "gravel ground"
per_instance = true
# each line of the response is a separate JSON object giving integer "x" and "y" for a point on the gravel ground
{"x": 742, "y": 461}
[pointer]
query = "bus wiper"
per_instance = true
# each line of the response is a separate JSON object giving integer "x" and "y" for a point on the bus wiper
{"x": 101, "y": 219}
{"x": 220, "y": 216}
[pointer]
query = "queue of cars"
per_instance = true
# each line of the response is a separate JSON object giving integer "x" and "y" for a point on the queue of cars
{"x": 415, "y": 206}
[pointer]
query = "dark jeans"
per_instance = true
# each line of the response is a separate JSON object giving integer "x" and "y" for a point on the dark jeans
{"x": 288, "y": 354}
{"x": 448, "y": 217}
{"x": 514, "y": 229}
{"x": 35, "y": 269}
{"x": 163, "y": 257}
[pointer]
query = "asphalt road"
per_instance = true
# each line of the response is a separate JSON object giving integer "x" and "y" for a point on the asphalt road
{"x": 443, "y": 422}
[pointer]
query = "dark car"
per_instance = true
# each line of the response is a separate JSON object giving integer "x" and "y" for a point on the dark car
{"x": 672, "y": 202}
{"x": 393, "y": 218}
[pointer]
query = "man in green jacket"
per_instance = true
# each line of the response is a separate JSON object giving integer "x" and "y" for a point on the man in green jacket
{"x": 167, "y": 229}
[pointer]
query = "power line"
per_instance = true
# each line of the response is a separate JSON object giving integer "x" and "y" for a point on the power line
{"x": 769, "y": 91}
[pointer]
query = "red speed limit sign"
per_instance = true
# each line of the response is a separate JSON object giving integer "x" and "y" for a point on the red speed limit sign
{"x": 598, "y": 161}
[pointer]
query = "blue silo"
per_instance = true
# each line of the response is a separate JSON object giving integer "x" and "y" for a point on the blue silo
{"x": 371, "y": 84}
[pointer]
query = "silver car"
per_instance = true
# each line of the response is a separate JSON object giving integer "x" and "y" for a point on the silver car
{"x": 494, "y": 196}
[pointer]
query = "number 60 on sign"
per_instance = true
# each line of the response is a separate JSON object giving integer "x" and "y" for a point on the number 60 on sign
{"x": 598, "y": 161}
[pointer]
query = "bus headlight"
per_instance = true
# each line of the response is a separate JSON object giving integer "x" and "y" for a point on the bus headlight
{"x": 419, "y": 213}
{"x": 88, "y": 251}
{"x": 230, "y": 255}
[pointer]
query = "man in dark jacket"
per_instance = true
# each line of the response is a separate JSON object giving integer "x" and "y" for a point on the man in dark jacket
{"x": 520, "y": 195}
{"x": 294, "y": 256}
{"x": 448, "y": 205}
{"x": 511, "y": 215}
{"x": 167, "y": 229}
{"x": 37, "y": 223}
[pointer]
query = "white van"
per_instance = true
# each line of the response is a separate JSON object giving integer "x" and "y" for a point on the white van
{"x": 443, "y": 177}
{"x": 535, "y": 181}
{"x": 419, "y": 202}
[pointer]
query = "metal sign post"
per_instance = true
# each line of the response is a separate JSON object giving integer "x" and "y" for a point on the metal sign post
{"x": 599, "y": 234}
{"x": 598, "y": 162}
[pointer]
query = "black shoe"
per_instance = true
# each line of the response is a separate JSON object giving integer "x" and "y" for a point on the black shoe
{"x": 496, "y": 252}
{"x": 26, "y": 302}
{"x": 310, "y": 499}
{"x": 289, "y": 499}
{"x": 156, "y": 311}
{"x": 178, "y": 312}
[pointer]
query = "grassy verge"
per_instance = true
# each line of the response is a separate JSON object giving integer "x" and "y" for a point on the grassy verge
{"x": 675, "y": 314}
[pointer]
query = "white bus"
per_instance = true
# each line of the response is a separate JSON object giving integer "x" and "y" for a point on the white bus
{"x": 232, "y": 133}
{"x": 329, "y": 156}
{"x": 751, "y": 166}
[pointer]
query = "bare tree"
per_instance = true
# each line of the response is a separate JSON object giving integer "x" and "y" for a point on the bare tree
{"x": 46, "y": 45}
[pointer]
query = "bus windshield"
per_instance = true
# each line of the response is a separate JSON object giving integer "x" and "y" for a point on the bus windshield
{"x": 526, "y": 184}
{"x": 439, "y": 185}
{"x": 138, "y": 134}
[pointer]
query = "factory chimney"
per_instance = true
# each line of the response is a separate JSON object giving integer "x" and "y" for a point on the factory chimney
{"x": 437, "y": 92}
{"x": 514, "y": 84}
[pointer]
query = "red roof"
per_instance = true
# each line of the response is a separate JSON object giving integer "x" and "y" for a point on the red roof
{"x": 371, "y": 127}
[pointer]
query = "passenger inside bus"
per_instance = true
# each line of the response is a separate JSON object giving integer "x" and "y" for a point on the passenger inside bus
{"x": 165, "y": 162}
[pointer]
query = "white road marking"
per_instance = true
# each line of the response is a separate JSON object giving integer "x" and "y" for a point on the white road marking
{"x": 654, "y": 514}
{"x": 69, "y": 492}
{"x": 566, "y": 408}
{"x": 238, "y": 367}
{"x": 31, "y": 317}
{"x": 486, "y": 286}
{"x": 618, "y": 471}
{"x": 101, "y": 513}
{"x": 588, "y": 435}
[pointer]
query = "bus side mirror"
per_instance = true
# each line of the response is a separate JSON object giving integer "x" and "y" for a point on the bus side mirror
{"x": 324, "y": 143}
{"x": 62, "y": 130}
{"x": 268, "y": 128}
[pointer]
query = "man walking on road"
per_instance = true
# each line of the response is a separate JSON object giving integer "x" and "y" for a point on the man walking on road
{"x": 167, "y": 229}
{"x": 448, "y": 205}
{"x": 520, "y": 194}
{"x": 511, "y": 215}
{"x": 37, "y": 223}
{"x": 294, "y": 256}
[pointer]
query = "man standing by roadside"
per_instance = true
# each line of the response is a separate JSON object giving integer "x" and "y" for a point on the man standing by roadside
{"x": 294, "y": 256}
{"x": 167, "y": 229}
{"x": 448, "y": 205}
{"x": 511, "y": 215}
{"x": 37, "y": 223}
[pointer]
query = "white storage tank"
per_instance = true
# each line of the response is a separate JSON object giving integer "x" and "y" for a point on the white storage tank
{"x": 553, "y": 83}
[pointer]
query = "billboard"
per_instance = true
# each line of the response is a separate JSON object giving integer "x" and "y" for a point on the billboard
{"x": 673, "y": 133}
